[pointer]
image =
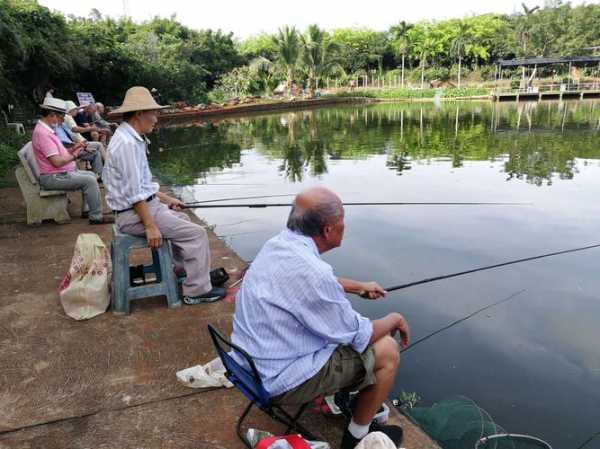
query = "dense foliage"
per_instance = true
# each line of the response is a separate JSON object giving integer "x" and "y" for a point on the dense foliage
{"x": 41, "y": 48}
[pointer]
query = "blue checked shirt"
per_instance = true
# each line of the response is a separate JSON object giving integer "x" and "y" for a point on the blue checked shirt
{"x": 291, "y": 313}
{"x": 126, "y": 175}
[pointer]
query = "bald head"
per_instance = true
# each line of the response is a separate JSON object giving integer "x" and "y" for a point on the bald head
{"x": 313, "y": 209}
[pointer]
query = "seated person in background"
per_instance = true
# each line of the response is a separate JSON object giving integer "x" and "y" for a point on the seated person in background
{"x": 58, "y": 170}
{"x": 86, "y": 118}
{"x": 87, "y": 153}
{"x": 75, "y": 130}
{"x": 292, "y": 317}
{"x": 99, "y": 120}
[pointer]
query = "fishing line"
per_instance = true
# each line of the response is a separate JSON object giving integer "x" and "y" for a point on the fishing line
{"x": 465, "y": 318}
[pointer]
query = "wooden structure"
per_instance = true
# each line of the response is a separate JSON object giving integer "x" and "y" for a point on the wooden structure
{"x": 571, "y": 89}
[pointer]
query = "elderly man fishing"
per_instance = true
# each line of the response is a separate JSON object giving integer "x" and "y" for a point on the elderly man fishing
{"x": 142, "y": 210}
{"x": 292, "y": 317}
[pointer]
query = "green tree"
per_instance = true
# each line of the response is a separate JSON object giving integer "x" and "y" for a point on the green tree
{"x": 460, "y": 44}
{"x": 319, "y": 56}
{"x": 287, "y": 42}
{"x": 360, "y": 48}
{"x": 426, "y": 44}
{"x": 401, "y": 43}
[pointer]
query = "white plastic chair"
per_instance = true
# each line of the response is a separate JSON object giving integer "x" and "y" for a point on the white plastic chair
{"x": 18, "y": 127}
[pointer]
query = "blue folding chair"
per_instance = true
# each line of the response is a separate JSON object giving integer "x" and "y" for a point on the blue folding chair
{"x": 248, "y": 381}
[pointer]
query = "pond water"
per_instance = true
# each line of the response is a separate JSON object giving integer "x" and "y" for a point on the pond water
{"x": 533, "y": 363}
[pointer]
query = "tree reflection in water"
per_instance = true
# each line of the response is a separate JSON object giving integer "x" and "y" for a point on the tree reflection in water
{"x": 537, "y": 142}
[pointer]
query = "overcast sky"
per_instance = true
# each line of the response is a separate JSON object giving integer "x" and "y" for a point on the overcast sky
{"x": 246, "y": 18}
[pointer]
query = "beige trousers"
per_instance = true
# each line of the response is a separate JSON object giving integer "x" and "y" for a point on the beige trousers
{"x": 189, "y": 241}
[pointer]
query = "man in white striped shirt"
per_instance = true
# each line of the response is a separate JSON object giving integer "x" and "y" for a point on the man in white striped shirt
{"x": 292, "y": 317}
{"x": 143, "y": 210}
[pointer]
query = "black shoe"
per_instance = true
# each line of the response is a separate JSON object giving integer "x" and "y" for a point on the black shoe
{"x": 214, "y": 295}
{"x": 106, "y": 219}
{"x": 394, "y": 433}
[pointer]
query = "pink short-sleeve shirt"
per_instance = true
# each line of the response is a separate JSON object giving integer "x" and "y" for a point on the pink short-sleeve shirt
{"x": 45, "y": 144}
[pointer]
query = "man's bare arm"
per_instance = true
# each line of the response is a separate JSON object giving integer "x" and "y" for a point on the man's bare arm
{"x": 389, "y": 325}
{"x": 368, "y": 290}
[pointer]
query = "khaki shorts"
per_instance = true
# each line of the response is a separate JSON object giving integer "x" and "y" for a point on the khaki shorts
{"x": 346, "y": 369}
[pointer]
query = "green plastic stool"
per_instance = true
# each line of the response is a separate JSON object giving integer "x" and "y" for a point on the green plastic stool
{"x": 124, "y": 290}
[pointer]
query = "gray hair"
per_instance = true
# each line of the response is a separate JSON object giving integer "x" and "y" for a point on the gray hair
{"x": 310, "y": 222}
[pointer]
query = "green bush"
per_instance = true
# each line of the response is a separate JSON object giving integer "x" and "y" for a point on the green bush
{"x": 409, "y": 94}
{"x": 10, "y": 143}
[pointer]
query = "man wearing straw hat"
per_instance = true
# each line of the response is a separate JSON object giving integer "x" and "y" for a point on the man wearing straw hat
{"x": 58, "y": 170}
{"x": 142, "y": 209}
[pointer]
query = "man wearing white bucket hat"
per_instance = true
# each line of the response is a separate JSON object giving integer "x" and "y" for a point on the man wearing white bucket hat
{"x": 142, "y": 209}
{"x": 58, "y": 170}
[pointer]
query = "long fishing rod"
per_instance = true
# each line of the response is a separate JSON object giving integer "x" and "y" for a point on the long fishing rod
{"x": 589, "y": 440}
{"x": 264, "y": 205}
{"x": 465, "y": 318}
{"x": 216, "y": 200}
{"x": 489, "y": 267}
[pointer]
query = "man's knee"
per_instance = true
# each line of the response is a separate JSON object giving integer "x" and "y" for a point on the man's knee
{"x": 387, "y": 352}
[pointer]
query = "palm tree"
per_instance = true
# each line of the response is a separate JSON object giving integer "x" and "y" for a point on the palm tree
{"x": 460, "y": 43}
{"x": 318, "y": 55}
{"x": 287, "y": 43}
{"x": 401, "y": 42}
{"x": 425, "y": 47}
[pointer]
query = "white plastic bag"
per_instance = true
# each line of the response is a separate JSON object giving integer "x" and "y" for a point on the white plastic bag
{"x": 84, "y": 289}
{"x": 210, "y": 375}
{"x": 376, "y": 440}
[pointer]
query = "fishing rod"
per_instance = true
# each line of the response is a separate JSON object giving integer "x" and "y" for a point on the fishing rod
{"x": 239, "y": 198}
{"x": 589, "y": 440}
{"x": 489, "y": 267}
{"x": 465, "y": 318}
{"x": 264, "y": 205}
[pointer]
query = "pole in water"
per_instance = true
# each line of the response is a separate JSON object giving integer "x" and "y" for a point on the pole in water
{"x": 454, "y": 323}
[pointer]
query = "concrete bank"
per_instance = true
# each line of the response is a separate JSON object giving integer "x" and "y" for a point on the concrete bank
{"x": 244, "y": 109}
{"x": 110, "y": 382}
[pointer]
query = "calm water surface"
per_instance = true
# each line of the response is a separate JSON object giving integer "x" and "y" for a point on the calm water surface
{"x": 532, "y": 363}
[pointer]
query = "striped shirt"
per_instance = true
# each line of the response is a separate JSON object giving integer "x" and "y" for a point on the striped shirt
{"x": 126, "y": 175}
{"x": 291, "y": 313}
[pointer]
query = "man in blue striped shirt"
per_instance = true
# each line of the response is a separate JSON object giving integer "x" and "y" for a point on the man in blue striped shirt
{"x": 293, "y": 318}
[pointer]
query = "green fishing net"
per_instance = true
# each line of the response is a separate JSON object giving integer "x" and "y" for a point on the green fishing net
{"x": 458, "y": 423}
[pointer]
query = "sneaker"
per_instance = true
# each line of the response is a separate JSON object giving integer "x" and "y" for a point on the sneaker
{"x": 214, "y": 295}
{"x": 394, "y": 433}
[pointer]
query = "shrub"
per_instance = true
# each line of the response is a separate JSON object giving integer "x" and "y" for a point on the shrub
{"x": 10, "y": 143}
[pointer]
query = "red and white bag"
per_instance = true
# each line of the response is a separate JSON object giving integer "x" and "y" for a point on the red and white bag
{"x": 84, "y": 291}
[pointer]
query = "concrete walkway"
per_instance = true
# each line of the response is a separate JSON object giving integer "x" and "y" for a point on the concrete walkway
{"x": 110, "y": 382}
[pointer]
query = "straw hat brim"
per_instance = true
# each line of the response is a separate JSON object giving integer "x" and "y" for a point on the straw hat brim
{"x": 132, "y": 108}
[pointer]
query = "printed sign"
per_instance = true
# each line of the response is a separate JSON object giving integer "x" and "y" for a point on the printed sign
{"x": 85, "y": 98}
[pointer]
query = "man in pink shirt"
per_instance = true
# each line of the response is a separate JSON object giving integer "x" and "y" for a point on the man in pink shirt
{"x": 58, "y": 170}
